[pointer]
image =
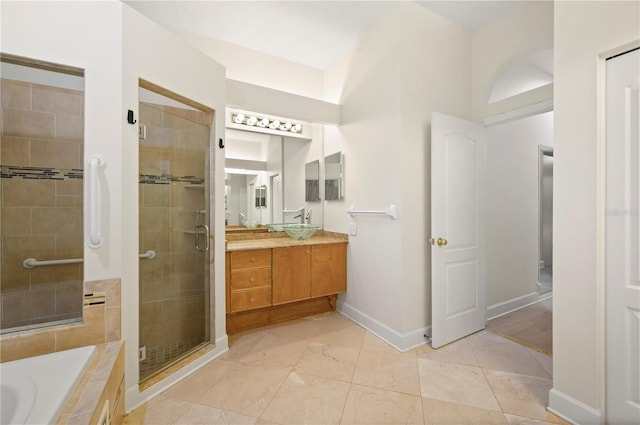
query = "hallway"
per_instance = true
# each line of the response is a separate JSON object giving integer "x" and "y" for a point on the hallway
{"x": 327, "y": 369}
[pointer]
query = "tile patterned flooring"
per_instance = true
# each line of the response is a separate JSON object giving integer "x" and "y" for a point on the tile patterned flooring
{"x": 326, "y": 369}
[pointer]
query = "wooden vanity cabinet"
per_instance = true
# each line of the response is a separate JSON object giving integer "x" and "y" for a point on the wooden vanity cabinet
{"x": 272, "y": 285}
{"x": 250, "y": 279}
{"x": 328, "y": 269}
{"x": 291, "y": 274}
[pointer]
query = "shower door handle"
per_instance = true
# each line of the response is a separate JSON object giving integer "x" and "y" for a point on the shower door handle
{"x": 206, "y": 237}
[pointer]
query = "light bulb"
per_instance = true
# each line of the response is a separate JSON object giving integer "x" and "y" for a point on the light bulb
{"x": 264, "y": 122}
{"x": 274, "y": 124}
{"x": 239, "y": 118}
{"x": 296, "y": 128}
{"x": 287, "y": 125}
{"x": 252, "y": 120}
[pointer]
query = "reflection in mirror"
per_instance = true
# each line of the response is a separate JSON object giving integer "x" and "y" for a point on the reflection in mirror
{"x": 333, "y": 177}
{"x": 277, "y": 163}
{"x": 545, "y": 194}
{"x": 251, "y": 162}
{"x": 261, "y": 196}
{"x": 312, "y": 181}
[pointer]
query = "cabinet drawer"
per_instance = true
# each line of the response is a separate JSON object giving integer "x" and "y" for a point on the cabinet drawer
{"x": 247, "y": 299}
{"x": 250, "y": 259}
{"x": 250, "y": 278}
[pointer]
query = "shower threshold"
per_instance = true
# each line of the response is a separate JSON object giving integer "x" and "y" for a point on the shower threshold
{"x": 160, "y": 359}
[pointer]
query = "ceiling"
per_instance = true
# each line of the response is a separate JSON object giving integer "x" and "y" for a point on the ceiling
{"x": 310, "y": 32}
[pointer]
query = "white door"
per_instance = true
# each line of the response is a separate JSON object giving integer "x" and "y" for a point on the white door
{"x": 457, "y": 252}
{"x": 623, "y": 240}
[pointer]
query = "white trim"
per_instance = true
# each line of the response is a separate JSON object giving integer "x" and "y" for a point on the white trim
{"x": 136, "y": 398}
{"x": 572, "y": 410}
{"x": 401, "y": 342}
{"x": 506, "y": 307}
{"x": 516, "y": 114}
{"x": 601, "y": 183}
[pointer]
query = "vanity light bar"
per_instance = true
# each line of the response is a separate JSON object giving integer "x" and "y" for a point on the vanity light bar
{"x": 264, "y": 122}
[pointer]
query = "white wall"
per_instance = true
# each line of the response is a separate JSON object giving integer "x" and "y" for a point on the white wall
{"x": 524, "y": 28}
{"x": 252, "y": 66}
{"x": 583, "y": 31}
{"x": 511, "y": 208}
{"x": 389, "y": 84}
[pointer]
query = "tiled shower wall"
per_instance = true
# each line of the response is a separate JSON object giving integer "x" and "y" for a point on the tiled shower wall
{"x": 41, "y": 154}
{"x": 172, "y": 190}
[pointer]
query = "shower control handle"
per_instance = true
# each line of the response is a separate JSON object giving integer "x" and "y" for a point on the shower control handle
{"x": 199, "y": 228}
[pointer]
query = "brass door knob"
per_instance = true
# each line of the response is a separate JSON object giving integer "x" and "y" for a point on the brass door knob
{"x": 442, "y": 242}
{"x": 432, "y": 241}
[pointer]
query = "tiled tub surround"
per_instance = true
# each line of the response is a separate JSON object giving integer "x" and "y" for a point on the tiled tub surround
{"x": 172, "y": 191}
{"x": 104, "y": 380}
{"x": 101, "y": 323}
{"x": 41, "y": 157}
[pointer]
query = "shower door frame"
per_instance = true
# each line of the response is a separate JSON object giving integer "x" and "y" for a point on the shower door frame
{"x": 208, "y": 275}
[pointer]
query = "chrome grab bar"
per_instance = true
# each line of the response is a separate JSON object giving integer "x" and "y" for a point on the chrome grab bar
{"x": 30, "y": 263}
{"x": 206, "y": 237}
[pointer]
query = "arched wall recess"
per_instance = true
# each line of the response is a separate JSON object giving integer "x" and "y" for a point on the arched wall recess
{"x": 523, "y": 72}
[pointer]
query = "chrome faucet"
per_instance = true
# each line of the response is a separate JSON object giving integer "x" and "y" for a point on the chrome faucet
{"x": 308, "y": 216}
{"x": 299, "y": 211}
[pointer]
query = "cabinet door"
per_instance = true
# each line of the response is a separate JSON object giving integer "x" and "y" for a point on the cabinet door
{"x": 328, "y": 269}
{"x": 291, "y": 274}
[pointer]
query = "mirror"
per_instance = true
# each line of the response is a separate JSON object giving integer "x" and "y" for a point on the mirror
{"x": 312, "y": 181}
{"x": 333, "y": 177}
{"x": 265, "y": 178}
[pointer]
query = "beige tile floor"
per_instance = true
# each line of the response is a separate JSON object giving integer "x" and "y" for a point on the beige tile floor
{"x": 327, "y": 369}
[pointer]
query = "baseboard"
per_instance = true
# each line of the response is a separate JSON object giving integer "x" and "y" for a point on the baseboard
{"x": 402, "y": 342}
{"x": 513, "y": 304}
{"x": 572, "y": 410}
{"x": 135, "y": 398}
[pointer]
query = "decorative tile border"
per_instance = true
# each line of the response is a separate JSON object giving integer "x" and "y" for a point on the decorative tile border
{"x": 39, "y": 173}
{"x": 50, "y": 173}
{"x": 168, "y": 178}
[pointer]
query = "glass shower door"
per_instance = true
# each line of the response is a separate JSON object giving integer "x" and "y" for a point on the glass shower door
{"x": 173, "y": 228}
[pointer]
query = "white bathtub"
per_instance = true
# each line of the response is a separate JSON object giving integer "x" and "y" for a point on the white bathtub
{"x": 35, "y": 390}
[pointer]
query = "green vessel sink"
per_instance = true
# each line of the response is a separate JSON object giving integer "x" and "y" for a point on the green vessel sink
{"x": 300, "y": 232}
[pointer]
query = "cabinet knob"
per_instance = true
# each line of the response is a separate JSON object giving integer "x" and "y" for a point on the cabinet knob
{"x": 251, "y": 299}
{"x": 252, "y": 259}
{"x": 251, "y": 279}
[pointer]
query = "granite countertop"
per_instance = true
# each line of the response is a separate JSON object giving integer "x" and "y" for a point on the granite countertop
{"x": 279, "y": 240}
